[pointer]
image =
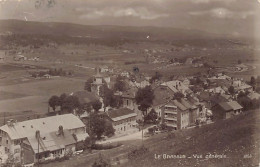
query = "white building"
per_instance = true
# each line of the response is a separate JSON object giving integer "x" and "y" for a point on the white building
{"x": 13, "y": 134}
{"x": 122, "y": 119}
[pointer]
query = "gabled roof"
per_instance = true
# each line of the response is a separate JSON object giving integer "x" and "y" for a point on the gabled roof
{"x": 51, "y": 141}
{"x": 130, "y": 93}
{"x": 185, "y": 103}
{"x": 121, "y": 114}
{"x": 179, "y": 105}
{"x": 162, "y": 94}
{"x": 44, "y": 125}
{"x": 232, "y": 105}
{"x": 253, "y": 96}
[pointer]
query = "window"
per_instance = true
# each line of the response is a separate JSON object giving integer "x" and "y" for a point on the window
{"x": 127, "y": 102}
{"x": 6, "y": 141}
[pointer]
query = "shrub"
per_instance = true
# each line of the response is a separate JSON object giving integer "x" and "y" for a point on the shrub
{"x": 137, "y": 152}
{"x": 105, "y": 146}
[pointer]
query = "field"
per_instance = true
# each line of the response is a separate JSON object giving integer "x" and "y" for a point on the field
{"x": 34, "y": 95}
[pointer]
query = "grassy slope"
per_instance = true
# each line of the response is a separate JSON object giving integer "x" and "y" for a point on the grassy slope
{"x": 235, "y": 138}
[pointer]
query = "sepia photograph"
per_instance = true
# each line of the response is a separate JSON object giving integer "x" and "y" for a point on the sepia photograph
{"x": 129, "y": 83}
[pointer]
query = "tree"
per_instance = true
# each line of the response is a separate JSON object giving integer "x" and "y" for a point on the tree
{"x": 96, "y": 105}
{"x": 231, "y": 90}
{"x": 97, "y": 125}
{"x": 239, "y": 61}
{"x": 54, "y": 101}
{"x": 119, "y": 84}
{"x": 117, "y": 101}
{"x": 62, "y": 98}
{"x": 155, "y": 77}
{"x": 88, "y": 84}
{"x": 253, "y": 82}
{"x": 144, "y": 98}
{"x": 70, "y": 103}
{"x": 107, "y": 95}
{"x": 109, "y": 130}
{"x": 151, "y": 116}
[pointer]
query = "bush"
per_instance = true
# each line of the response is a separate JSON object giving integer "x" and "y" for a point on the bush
{"x": 137, "y": 152}
{"x": 105, "y": 146}
{"x": 101, "y": 162}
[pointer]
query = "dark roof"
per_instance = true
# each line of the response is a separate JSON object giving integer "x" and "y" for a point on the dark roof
{"x": 119, "y": 112}
{"x": 217, "y": 98}
{"x": 179, "y": 105}
{"x": 162, "y": 94}
{"x": 85, "y": 96}
{"x": 204, "y": 96}
{"x": 232, "y": 105}
{"x": 130, "y": 93}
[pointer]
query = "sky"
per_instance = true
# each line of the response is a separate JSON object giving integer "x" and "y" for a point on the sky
{"x": 235, "y": 17}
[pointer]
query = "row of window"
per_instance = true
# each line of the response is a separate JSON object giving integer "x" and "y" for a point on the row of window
{"x": 124, "y": 121}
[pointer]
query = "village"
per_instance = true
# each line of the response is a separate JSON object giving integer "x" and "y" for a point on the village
{"x": 118, "y": 106}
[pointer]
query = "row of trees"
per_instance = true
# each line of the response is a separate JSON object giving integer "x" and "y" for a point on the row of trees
{"x": 70, "y": 103}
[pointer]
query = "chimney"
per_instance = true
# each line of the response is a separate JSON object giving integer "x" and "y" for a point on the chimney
{"x": 61, "y": 132}
{"x": 37, "y": 134}
{"x": 8, "y": 123}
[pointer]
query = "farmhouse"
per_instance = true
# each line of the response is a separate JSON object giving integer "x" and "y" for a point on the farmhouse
{"x": 122, "y": 119}
{"x": 14, "y": 134}
{"x": 128, "y": 98}
{"x": 47, "y": 146}
{"x": 226, "y": 110}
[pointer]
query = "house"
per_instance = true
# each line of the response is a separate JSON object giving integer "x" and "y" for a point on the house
{"x": 175, "y": 115}
{"x": 13, "y": 134}
{"x": 210, "y": 99}
{"x": 226, "y": 110}
{"x": 104, "y": 69}
{"x": 19, "y": 57}
{"x": 48, "y": 146}
{"x": 253, "y": 96}
{"x": 216, "y": 90}
{"x": 122, "y": 119}
{"x": 139, "y": 82}
{"x": 125, "y": 74}
{"x": 177, "y": 86}
{"x": 128, "y": 98}
{"x": 47, "y": 76}
{"x": 162, "y": 95}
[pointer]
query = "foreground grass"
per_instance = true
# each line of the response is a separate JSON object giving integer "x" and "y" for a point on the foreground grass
{"x": 234, "y": 138}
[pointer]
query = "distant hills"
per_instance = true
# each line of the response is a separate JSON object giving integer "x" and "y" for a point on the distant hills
{"x": 99, "y": 31}
{"x": 166, "y": 34}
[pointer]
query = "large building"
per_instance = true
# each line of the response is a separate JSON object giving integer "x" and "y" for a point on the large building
{"x": 15, "y": 134}
{"x": 181, "y": 113}
{"x": 122, "y": 119}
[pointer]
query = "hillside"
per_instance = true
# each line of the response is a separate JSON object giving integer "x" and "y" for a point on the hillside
{"x": 109, "y": 32}
{"x": 235, "y": 138}
{"x": 55, "y": 28}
